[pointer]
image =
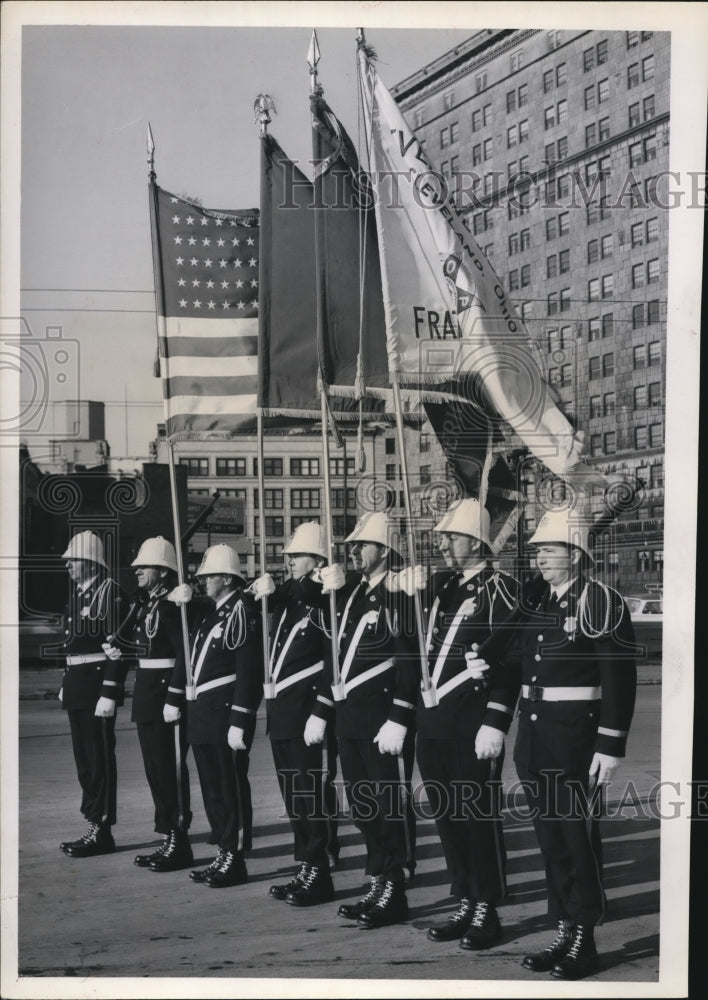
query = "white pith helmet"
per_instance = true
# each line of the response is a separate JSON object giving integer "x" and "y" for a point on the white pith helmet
{"x": 220, "y": 559}
{"x": 307, "y": 539}
{"x": 156, "y": 552}
{"x": 85, "y": 545}
{"x": 375, "y": 526}
{"x": 563, "y": 526}
{"x": 466, "y": 517}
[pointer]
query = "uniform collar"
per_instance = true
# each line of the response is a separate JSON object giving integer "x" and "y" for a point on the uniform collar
{"x": 561, "y": 591}
{"x": 376, "y": 579}
{"x": 473, "y": 571}
{"x": 224, "y": 599}
{"x": 87, "y": 584}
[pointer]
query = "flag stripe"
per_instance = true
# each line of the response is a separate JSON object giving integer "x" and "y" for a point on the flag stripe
{"x": 208, "y": 327}
{"x": 223, "y": 405}
{"x": 213, "y": 348}
{"x": 223, "y": 387}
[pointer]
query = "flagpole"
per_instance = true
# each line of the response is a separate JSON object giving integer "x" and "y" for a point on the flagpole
{"x": 313, "y": 57}
{"x": 161, "y": 330}
{"x": 262, "y": 108}
{"x": 428, "y": 692}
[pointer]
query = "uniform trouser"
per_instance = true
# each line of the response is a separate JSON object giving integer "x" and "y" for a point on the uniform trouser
{"x": 331, "y": 800}
{"x": 223, "y": 776}
{"x": 94, "y": 743}
{"x": 380, "y": 802}
{"x": 569, "y": 838}
{"x": 157, "y": 743}
{"x": 463, "y": 800}
{"x": 302, "y": 776}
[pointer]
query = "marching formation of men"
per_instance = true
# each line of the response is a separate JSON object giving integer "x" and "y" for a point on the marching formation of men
{"x": 345, "y": 683}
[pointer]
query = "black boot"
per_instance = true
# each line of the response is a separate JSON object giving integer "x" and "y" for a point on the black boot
{"x": 281, "y": 891}
{"x": 316, "y": 887}
{"x": 390, "y": 908}
{"x": 581, "y": 958}
{"x": 456, "y": 925}
{"x": 200, "y": 874}
{"x": 176, "y": 853}
{"x": 352, "y": 911}
{"x": 143, "y": 860}
{"x": 230, "y": 871}
{"x": 543, "y": 961}
{"x": 484, "y": 929}
{"x": 97, "y": 840}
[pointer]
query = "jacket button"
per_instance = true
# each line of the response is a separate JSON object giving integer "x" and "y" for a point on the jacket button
{"x": 540, "y": 638}
{"x": 537, "y": 657}
{"x": 534, "y": 717}
{"x": 66, "y": 631}
{"x": 533, "y": 679}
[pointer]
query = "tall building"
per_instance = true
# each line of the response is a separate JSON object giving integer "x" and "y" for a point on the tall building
{"x": 555, "y": 146}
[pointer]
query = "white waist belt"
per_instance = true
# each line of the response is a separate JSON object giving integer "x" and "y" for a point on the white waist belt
{"x": 538, "y": 693}
{"x": 300, "y": 675}
{"x": 164, "y": 664}
{"x": 76, "y": 661}
{"x": 217, "y": 682}
{"x": 464, "y": 675}
{"x": 366, "y": 675}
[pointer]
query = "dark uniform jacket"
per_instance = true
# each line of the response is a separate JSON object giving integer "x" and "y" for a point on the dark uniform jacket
{"x": 562, "y": 646}
{"x": 227, "y": 668}
{"x": 378, "y": 659}
{"x": 300, "y": 626}
{"x": 460, "y": 614}
{"x": 89, "y": 618}
{"x": 152, "y": 631}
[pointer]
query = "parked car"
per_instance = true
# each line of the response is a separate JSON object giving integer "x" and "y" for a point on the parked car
{"x": 646, "y": 612}
{"x": 36, "y": 637}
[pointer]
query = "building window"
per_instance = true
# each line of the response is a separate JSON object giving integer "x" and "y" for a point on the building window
{"x": 632, "y": 75}
{"x": 425, "y": 476}
{"x": 391, "y": 472}
{"x": 547, "y": 81}
{"x": 639, "y": 355}
{"x": 552, "y": 303}
{"x": 606, "y": 246}
{"x": 632, "y": 39}
{"x": 637, "y": 275}
{"x": 654, "y": 353}
{"x": 590, "y": 97}
{"x": 653, "y": 271}
{"x": 524, "y": 130}
{"x": 304, "y": 499}
{"x": 336, "y": 466}
{"x": 593, "y": 251}
{"x": 195, "y": 466}
{"x": 653, "y": 311}
{"x": 525, "y": 235}
{"x": 593, "y": 289}
{"x": 608, "y": 404}
{"x": 641, "y": 437}
{"x": 595, "y": 444}
{"x": 419, "y": 117}
{"x": 596, "y": 406}
{"x": 634, "y": 118}
{"x": 513, "y": 280}
{"x": 590, "y": 135}
{"x": 561, "y": 74}
{"x": 562, "y": 148}
{"x": 271, "y": 466}
{"x": 338, "y": 498}
{"x": 648, "y": 68}
{"x": 304, "y": 466}
{"x": 594, "y": 368}
{"x": 552, "y": 266}
{"x": 554, "y": 39}
{"x": 608, "y": 286}
{"x": 635, "y": 154}
{"x": 274, "y": 526}
{"x": 449, "y": 99}
{"x": 513, "y": 244}
{"x": 273, "y": 499}
{"x": 602, "y": 52}
{"x": 231, "y": 466}
{"x": 566, "y": 374}
{"x": 607, "y": 325}
{"x": 637, "y": 233}
{"x": 610, "y": 443}
{"x": 603, "y": 91}
{"x": 638, "y": 316}
{"x": 656, "y": 435}
{"x": 565, "y": 299}
{"x": 588, "y": 59}
{"x": 594, "y": 329}
{"x": 656, "y": 477}
{"x": 603, "y": 129}
{"x": 652, "y": 230}
{"x": 516, "y": 60}
{"x": 608, "y": 365}
{"x": 649, "y": 106}
{"x": 640, "y": 397}
{"x": 480, "y": 82}
{"x": 549, "y": 117}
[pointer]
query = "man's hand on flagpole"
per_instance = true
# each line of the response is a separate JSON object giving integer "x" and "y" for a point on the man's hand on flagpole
{"x": 262, "y": 586}
{"x": 182, "y": 594}
{"x": 333, "y": 578}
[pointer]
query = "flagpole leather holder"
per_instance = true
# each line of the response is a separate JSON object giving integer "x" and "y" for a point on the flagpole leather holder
{"x": 429, "y": 696}
{"x": 190, "y": 692}
{"x": 269, "y": 690}
{"x": 338, "y": 691}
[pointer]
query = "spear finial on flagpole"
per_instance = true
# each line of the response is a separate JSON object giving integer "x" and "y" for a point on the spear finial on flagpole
{"x": 261, "y": 112}
{"x": 150, "y": 150}
{"x": 313, "y": 57}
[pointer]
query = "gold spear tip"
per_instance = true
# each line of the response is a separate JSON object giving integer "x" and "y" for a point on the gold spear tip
{"x": 313, "y": 53}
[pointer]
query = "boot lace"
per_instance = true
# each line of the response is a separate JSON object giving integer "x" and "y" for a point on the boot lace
{"x": 91, "y": 834}
{"x": 169, "y": 845}
{"x": 577, "y": 944}
{"x": 226, "y": 861}
{"x": 386, "y": 895}
{"x": 375, "y": 890}
{"x": 309, "y": 878}
{"x": 462, "y": 912}
{"x": 562, "y": 936}
{"x": 481, "y": 910}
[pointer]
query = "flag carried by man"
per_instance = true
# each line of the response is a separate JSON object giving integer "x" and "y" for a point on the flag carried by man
{"x": 206, "y": 280}
{"x": 448, "y": 315}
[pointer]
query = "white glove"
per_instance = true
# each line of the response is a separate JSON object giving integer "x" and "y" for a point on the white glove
{"x": 390, "y": 737}
{"x": 263, "y": 586}
{"x": 333, "y": 578}
{"x": 182, "y": 594}
{"x": 170, "y": 713}
{"x": 235, "y": 738}
{"x": 111, "y": 652}
{"x": 314, "y": 730}
{"x": 605, "y": 765}
{"x": 489, "y": 742}
{"x": 410, "y": 579}
{"x": 105, "y": 708}
{"x": 60, "y": 696}
{"x": 475, "y": 664}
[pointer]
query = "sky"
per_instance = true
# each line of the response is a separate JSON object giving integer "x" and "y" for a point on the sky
{"x": 88, "y": 93}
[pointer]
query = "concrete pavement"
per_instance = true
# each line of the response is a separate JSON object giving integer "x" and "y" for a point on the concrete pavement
{"x": 103, "y": 917}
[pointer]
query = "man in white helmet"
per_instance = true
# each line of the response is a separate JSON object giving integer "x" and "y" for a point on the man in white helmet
{"x": 298, "y": 683}
{"x": 376, "y": 715}
{"x": 92, "y": 688}
{"x": 222, "y": 695}
{"x": 151, "y": 635}
{"x": 461, "y": 740}
{"x": 577, "y": 700}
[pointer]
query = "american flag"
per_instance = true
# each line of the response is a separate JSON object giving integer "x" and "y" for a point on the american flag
{"x": 206, "y": 277}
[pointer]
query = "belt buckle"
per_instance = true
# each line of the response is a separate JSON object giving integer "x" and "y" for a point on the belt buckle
{"x": 535, "y": 692}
